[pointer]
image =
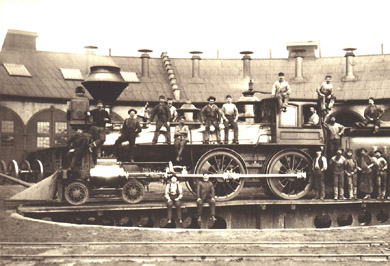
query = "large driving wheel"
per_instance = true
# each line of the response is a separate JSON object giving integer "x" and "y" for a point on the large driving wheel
{"x": 3, "y": 170}
{"x": 290, "y": 162}
{"x": 219, "y": 162}
{"x": 76, "y": 193}
{"x": 133, "y": 191}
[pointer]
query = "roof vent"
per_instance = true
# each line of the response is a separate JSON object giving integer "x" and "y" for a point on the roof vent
{"x": 349, "y": 55}
{"x": 20, "y": 40}
{"x": 246, "y": 63}
{"x": 145, "y": 61}
{"x": 309, "y": 48}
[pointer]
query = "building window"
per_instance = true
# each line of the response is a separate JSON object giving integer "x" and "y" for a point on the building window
{"x": 43, "y": 127}
{"x": 61, "y": 131}
{"x": 43, "y": 142}
{"x": 17, "y": 70}
{"x": 7, "y": 133}
{"x": 71, "y": 74}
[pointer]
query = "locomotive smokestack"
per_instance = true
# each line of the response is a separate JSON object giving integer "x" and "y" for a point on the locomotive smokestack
{"x": 145, "y": 61}
{"x": 246, "y": 63}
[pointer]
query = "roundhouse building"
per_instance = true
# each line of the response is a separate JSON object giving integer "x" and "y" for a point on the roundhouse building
{"x": 36, "y": 85}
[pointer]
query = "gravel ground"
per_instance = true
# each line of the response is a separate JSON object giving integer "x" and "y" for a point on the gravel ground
{"x": 14, "y": 228}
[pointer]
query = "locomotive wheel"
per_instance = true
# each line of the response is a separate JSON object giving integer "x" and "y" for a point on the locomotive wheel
{"x": 76, "y": 193}
{"x": 133, "y": 191}
{"x": 219, "y": 162}
{"x": 13, "y": 169}
{"x": 290, "y": 162}
{"x": 3, "y": 170}
{"x": 26, "y": 168}
{"x": 37, "y": 170}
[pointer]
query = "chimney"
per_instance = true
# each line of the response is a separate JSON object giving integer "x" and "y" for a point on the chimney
{"x": 246, "y": 63}
{"x": 299, "y": 65}
{"x": 309, "y": 47}
{"x": 20, "y": 40}
{"x": 195, "y": 64}
{"x": 349, "y": 64}
{"x": 145, "y": 62}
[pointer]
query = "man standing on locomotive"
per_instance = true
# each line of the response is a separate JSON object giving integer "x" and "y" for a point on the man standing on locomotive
{"x": 163, "y": 114}
{"x": 131, "y": 127}
{"x": 211, "y": 116}
{"x": 335, "y": 130}
{"x": 205, "y": 193}
{"x": 319, "y": 166}
{"x": 181, "y": 137}
{"x": 337, "y": 164}
{"x": 281, "y": 91}
{"x": 380, "y": 174}
{"x": 172, "y": 110}
{"x": 326, "y": 97}
{"x": 350, "y": 170}
{"x": 229, "y": 114}
{"x": 100, "y": 118}
{"x": 173, "y": 194}
{"x": 372, "y": 115}
{"x": 78, "y": 145}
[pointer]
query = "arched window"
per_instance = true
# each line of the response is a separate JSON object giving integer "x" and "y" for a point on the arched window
{"x": 11, "y": 135}
{"x": 347, "y": 118}
{"x": 47, "y": 128}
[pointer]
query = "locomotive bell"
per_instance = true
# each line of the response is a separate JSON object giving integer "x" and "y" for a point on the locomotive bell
{"x": 105, "y": 83}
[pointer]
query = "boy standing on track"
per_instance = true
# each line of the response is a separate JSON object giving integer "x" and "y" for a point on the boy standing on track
{"x": 205, "y": 193}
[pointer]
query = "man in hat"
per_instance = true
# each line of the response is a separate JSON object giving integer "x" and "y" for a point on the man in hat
{"x": 281, "y": 91}
{"x": 181, "y": 137}
{"x": 78, "y": 146}
{"x": 131, "y": 127}
{"x": 172, "y": 110}
{"x": 205, "y": 193}
{"x": 100, "y": 118}
{"x": 319, "y": 167}
{"x": 161, "y": 110}
{"x": 326, "y": 97}
{"x": 372, "y": 115}
{"x": 335, "y": 130}
{"x": 211, "y": 116}
{"x": 229, "y": 114}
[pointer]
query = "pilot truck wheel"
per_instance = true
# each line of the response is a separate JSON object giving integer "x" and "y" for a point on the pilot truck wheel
{"x": 76, "y": 193}
{"x": 133, "y": 191}
{"x": 219, "y": 162}
{"x": 290, "y": 162}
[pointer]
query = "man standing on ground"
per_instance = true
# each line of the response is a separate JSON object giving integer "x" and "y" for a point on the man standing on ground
{"x": 229, "y": 114}
{"x": 320, "y": 165}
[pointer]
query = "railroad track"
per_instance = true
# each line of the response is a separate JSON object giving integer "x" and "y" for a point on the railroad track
{"x": 205, "y": 250}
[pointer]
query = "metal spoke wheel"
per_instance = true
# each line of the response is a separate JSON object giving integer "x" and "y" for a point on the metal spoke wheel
{"x": 3, "y": 170}
{"x": 133, "y": 191}
{"x": 37, "y": 170}
{"x": 220, "y": 162}
{"x": 13, "y": 169}
{"x": 76, "y": 193}
{"x": 25, "y": 171}
{"x": 290, "y": 162}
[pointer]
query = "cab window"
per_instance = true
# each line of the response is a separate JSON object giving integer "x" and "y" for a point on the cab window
{"x": 289, "y": 118}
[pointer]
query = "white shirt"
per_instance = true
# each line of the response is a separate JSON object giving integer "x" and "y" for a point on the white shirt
{"x": 281, "y": 87}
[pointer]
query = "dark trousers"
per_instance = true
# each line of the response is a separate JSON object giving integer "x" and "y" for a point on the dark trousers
{"x": 234, "y": 125}
{"x": 170, "y": 205}
{"x": 180, "y": 143}
{"x": 98, "y": 137}
{"x": 325, "y": 102}
{"x": 338, "y": 184}
{"x": 381, "y": 182}
{"x": 282, "y": 100}
{"x": 319, "y": 184}
{"x": 130, "y": 137}
{"x": 75, "y": 158}
{"x": 200, "y": 207}
{"x": 333, "y": 146}
{"x": 215, "y": 123}
{"x": 159, "y": 125}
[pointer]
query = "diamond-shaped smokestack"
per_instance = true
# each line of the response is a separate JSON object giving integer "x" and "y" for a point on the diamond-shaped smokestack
{"x": 105, "y": 83}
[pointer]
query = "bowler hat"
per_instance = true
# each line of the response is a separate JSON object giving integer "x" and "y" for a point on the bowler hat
{"x": 211, "y": 98}
{"x": 281, "y": 74}
{"x": 135, "y": 111}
